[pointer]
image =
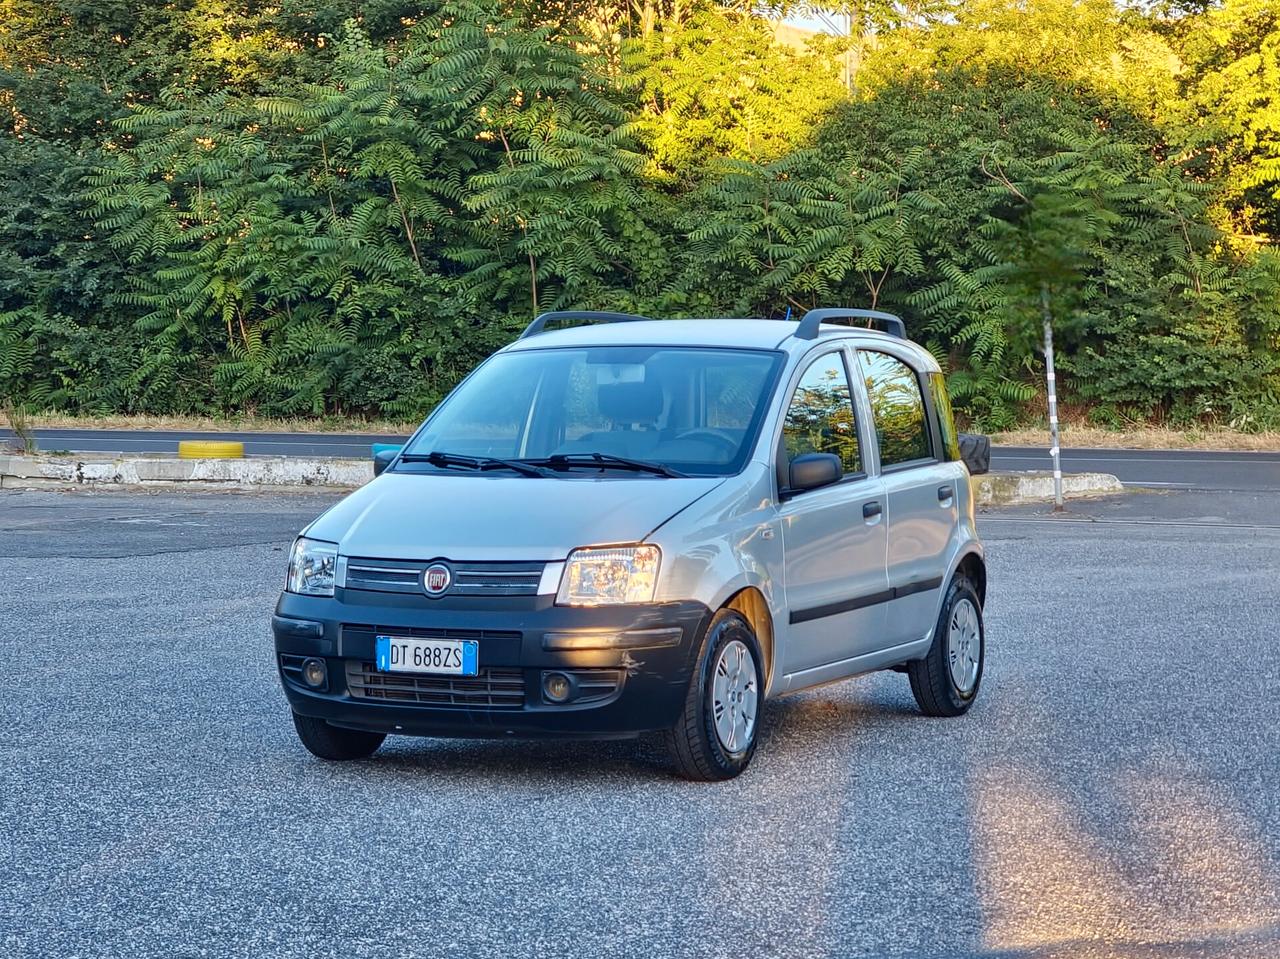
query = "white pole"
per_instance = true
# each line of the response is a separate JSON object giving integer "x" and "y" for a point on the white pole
{"x": 1053, "y": 400}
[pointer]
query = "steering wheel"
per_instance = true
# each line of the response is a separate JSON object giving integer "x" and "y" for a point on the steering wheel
{"x": 703, "y": 433}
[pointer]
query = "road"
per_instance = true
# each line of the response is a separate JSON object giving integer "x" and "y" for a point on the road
{"x": 1175, "y": 469}
{"x": 1178, "y": 469}
{"x": 1114, "y": 793}
{"x": 166, "y": 441}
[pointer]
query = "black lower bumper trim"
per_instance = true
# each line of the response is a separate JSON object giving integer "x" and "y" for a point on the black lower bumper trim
{"x": 645, "y": 690}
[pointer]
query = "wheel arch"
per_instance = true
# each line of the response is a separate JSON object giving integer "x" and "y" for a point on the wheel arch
{"x": 751, "y": 604}
{"x": 973, "y": 567}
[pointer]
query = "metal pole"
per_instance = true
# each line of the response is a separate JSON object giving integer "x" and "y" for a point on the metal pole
{"x": 1053, "y": 399}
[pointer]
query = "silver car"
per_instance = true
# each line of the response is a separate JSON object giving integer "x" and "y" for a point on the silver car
{"x": 634, "y": 526}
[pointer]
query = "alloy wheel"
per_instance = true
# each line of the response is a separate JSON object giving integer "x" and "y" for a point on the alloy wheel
{"x": 735, "y": 696}
{"x": 964, "y": 646}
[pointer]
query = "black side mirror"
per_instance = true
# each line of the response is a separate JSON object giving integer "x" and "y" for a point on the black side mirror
{"x": 382, "y": 458}
{"x": 975, "y": 450}
{"x": 811, "y": 470}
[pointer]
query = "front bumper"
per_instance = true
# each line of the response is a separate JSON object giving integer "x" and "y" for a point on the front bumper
{"x": 644, "y": 689}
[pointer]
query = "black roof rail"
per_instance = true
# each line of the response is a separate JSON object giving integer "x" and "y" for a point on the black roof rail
{"x": 809, "y": 323}
{"x": 594, "y": 315}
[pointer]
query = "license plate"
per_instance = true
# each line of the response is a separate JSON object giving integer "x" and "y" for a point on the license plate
{"x": 450, "y": 657}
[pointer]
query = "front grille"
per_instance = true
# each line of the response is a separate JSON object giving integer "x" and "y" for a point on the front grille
{"x": 493, "y": 688}
{"x": 469, "y": 579}
{"x": 366, "y": 633}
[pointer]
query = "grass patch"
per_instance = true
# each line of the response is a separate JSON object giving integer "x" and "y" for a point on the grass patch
{"x": 1143, "y": 438}
{"x": 209, "y": 424}
{"x": 15, "y": 415}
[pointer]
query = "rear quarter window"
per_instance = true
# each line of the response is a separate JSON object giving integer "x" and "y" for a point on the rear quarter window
{"x": 946, "y": 419}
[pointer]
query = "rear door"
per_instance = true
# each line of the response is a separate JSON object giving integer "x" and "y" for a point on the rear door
{"x": 833, "y": 537}
{"x": 921, "y": 485}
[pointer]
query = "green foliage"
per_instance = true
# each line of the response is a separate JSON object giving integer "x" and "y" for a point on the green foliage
{"x": 1232, "y": 111}
{"x": 720, "y": 87}
{"x": 340, "y": 208}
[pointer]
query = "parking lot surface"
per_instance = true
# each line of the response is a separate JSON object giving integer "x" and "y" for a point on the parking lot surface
{"x": 1115, "y": 792}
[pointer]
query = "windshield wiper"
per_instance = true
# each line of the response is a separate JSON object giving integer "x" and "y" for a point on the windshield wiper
{"x": 607, "y": 461}
{"x": 447, "y": 460}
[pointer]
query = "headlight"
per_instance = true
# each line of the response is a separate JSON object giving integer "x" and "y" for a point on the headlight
{"x": 612, "y": 574}
{"x": 311, "y": 567}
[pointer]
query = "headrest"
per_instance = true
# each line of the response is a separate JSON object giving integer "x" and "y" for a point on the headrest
{"x": 630, "y": 402}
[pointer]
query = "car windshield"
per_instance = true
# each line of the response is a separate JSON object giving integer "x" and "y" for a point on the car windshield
{"x": 694, "y": 411}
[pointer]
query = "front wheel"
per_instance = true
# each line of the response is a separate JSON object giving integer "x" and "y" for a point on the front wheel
{"x": 945, "y": 682}
{"x": 715, "y": 736}
{"x": 334, "y": 742}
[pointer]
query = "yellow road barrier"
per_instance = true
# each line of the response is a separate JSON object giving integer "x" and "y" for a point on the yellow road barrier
{"x": 209, "y": 450}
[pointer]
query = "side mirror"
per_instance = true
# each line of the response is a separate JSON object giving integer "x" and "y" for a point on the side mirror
{"x": 975, "y": 450}
{"x": 811, "y": 470}
{"x": 383, "y": 454}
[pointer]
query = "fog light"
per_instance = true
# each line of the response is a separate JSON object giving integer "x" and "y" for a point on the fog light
{"x": 557, "y": 687}
{"x": 314, "y": 673}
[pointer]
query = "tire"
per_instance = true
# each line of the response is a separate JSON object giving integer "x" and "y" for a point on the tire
{"x": 933, "y": 681}
{"x": 333, "y": 742}
{"x": 696, "y": 743}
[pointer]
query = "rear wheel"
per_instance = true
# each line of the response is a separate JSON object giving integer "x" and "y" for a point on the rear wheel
{"x": 715, "y": 736}
{"x": 334, "y": 742}
{"x": 946, "y": 681}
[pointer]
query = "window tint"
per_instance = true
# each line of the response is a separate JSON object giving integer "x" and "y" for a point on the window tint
{"x": 946, "y": 420}
{"x": 820, "y": 417}
{"x": 897, "y": 407}
{"x": 697, "y": 410}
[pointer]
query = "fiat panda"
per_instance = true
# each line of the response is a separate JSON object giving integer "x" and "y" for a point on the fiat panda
{"x": 630, "y": 526}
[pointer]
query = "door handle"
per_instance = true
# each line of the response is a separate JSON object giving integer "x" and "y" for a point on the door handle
{"x": 871, "y": 509}
{"x": 945, "y": 493}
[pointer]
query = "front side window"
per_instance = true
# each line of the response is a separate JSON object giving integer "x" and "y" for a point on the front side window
{"x": 897, "y": 407}
{"x": 820, "y": 418}
{"x": 695, "y": 410}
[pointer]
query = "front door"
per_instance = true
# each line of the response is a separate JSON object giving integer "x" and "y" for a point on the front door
{"x": 833, "y": 537}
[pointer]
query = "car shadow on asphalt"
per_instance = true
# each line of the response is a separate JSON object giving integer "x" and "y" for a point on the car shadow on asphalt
{"x": 792, "y": 724}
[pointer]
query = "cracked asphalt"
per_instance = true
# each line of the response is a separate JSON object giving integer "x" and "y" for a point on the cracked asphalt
{"x": 1114, "y": 793}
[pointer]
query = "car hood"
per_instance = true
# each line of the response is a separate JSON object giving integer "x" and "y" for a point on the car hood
{"x": 469, "y": 517}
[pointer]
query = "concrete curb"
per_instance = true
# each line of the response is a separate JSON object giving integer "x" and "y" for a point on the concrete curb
{"x": 291, "y": 472}
{"x": 252, "y": 472}
{"x": 1012, "y": 489}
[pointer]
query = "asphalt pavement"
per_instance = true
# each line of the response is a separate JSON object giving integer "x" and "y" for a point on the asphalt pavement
{"x": 1174, "y": 469}
{"x": 1170, "y": 469}
{"x": 1114, "y": 793}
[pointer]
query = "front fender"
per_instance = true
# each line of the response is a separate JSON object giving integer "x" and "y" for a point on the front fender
{"x": 725, "y": 542}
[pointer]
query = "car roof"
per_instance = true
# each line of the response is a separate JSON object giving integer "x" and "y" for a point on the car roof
{"x": 721, "y": 333}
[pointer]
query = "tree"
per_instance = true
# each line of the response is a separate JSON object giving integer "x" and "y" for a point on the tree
{"x": 1232, "y": 111}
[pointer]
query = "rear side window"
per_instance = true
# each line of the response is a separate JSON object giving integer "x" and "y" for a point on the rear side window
{"x": 897, "y": 406}
{"x": 946, "y": 420}
{"x": 820, "y": 418}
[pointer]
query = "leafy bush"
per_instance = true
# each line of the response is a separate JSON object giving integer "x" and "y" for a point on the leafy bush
{"x": 340, "y": 209}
